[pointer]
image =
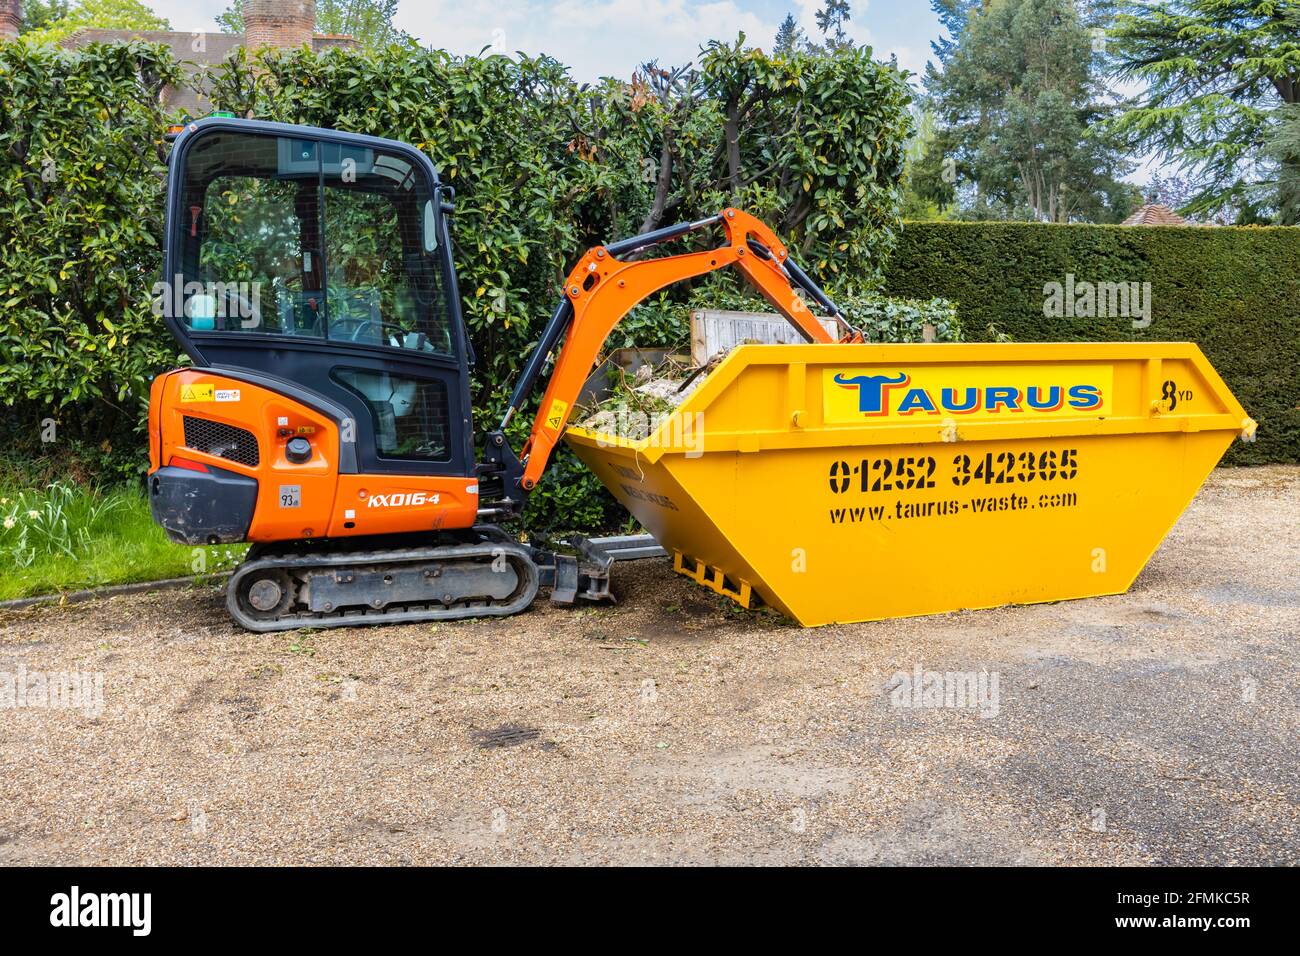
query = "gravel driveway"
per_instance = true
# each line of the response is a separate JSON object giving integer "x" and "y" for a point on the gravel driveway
{"x": 1154, "y": 727}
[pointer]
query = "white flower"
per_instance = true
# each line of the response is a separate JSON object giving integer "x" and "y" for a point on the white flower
{"x": 9, "y": 522}
{"x": 33, "y": 513}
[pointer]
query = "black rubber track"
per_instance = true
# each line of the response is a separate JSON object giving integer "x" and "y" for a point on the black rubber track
{"x": 467, "y": 605}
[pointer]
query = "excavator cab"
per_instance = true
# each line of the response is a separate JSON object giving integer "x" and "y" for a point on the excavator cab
{"x": 322, "y": 259}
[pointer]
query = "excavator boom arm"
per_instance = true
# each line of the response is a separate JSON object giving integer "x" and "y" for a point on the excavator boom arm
{"x": 602, "y": 289}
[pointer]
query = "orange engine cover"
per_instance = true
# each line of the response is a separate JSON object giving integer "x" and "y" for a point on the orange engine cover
{"x": 243, "y": 428}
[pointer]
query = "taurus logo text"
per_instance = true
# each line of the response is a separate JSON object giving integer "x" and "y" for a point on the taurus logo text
{"x": 876, "y": 397}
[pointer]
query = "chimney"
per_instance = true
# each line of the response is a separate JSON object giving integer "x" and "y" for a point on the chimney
{"x": 11, "y": 19}
{"x": 282, "y": 23}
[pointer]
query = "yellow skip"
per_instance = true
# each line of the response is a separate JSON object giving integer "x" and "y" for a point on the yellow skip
{"x": 860, "y": 482}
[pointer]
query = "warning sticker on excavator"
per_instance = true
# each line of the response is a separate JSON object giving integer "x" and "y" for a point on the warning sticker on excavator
{"x": 976, "y": 392}
{"x": 555, "y": 417}
{"x": 198, "y": 393}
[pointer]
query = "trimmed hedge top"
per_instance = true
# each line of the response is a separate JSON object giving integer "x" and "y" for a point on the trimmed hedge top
{"x": 1233, "y": 291}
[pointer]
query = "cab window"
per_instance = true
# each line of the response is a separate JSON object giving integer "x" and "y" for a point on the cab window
{"x": 383, "y": 281}
{"x": 307, "y": 238}
{"x": 249, "y": 235}
{"x": 410, "y": 415}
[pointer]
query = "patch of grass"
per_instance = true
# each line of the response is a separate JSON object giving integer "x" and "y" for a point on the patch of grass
{"x": 303, "y": 642}
{"x": 64, "y": 537}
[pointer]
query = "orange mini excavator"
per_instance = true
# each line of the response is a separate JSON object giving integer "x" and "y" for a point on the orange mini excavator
{"x": 326, "y": 416}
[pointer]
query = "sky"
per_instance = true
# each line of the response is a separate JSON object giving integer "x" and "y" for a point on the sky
{"x": 612, "y": 37}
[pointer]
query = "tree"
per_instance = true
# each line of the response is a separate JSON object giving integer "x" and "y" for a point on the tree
{"x": 1216, "y": 74}
{"x": 39, "y": 14}
{"x": 369, "y": 22}
{"x": 952, "y": 15}
{"x": 920, "y": 203}
{"x": 1016, "y": 103}
{"x": 831, "y": 20}
{"x": 1284, "y": 148}
{"x": 788, "y": 38}
{"x": 744, "y": 129}
{"x": 60, "y": 20}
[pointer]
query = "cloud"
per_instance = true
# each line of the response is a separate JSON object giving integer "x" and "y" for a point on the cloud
{"x": 189, "y": 14}
{"x": 858, "y": 31}
{"x": 595, "y": 38}
{"x": 908, "y": 58}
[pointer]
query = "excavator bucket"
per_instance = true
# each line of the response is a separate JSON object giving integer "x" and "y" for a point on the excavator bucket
{"x": 858, "y": 482}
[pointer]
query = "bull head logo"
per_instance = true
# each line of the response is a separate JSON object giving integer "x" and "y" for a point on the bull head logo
{"x": 872, "y": 389}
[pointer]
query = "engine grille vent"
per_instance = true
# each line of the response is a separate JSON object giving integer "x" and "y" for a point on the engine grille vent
{"x": 224, "y": 441}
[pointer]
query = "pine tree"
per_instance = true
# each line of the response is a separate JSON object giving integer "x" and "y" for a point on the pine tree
{"x": 1284, "y": 148}
{"x": 1218, "y": 79}
{"x": 952, "y": 16}
{"x": 1017, "y": 102}
{"x": 788, "y": 37}
{"x": 831, "y": 20}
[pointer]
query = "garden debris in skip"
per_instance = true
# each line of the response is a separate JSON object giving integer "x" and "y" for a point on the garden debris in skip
{"x": 638, "y": 401}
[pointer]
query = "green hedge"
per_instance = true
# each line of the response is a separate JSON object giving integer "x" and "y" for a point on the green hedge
{"x": 81, "y": 187}
{"x": 1233, "y": 291}
{"x": 543, "y": 168}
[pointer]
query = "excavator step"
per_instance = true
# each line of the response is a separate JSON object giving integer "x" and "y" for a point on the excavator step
{"x": 621, "y": 547}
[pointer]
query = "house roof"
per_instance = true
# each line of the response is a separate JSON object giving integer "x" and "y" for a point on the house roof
{"x": 1154, "y": 214}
